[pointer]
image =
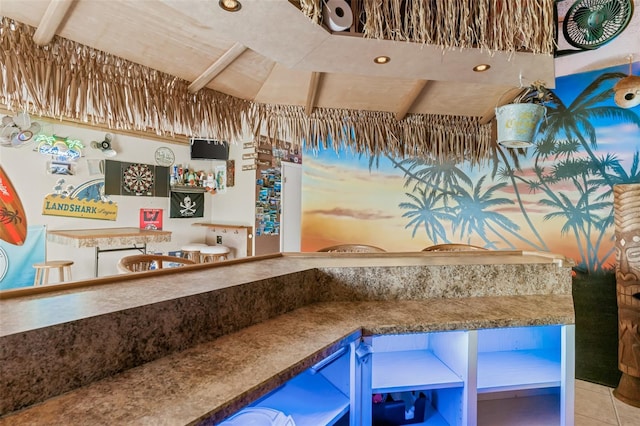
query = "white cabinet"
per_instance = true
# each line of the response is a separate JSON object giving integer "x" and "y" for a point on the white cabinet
{"x": 502, "y": 376}
{"x": 528, "y": 372}
{"x": 432, "y": 366}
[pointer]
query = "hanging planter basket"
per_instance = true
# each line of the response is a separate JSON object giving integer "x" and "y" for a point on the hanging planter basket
{"x": 518, "y": 124}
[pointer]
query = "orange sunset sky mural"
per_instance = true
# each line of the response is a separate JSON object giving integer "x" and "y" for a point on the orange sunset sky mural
{"x": 556, "y": 197}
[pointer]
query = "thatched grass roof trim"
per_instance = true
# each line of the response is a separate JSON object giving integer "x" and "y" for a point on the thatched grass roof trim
{"x": 371, "y": 132}
{"x": 494, "y": 25}
{"x": 65, "y": 79}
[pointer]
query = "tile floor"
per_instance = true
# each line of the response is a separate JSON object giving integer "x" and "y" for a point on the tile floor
{"x": 595, "y": 405}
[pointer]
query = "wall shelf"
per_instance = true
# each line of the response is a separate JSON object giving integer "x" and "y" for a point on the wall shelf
{"x": 187, "y": 188}
{"x": 237, "y": 237}
{"x": 516, "y": 370}
{"x": 411, "y": 370}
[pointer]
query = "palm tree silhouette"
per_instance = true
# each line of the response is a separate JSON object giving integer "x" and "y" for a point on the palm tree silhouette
{"x": 443, "y": 192}
{"x": 619, "y": 175}
{"x": 583, "y": 217}
{"x": 426, "y": 210}
{"x": 473, "y": 215}
{"x": 575, "y": 121}
{"x": 510, "y": 172}
{"x": 579, "y": 218}
{"x": 441, "y": 175}
{"x": 593, "y": 177}
{"x": 439, "y": 185}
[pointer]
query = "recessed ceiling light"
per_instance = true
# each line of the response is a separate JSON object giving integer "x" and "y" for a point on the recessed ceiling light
{"x": 481, "y": 67}
{"x": 381, "y": 59}
{"x": 230, "y": 5}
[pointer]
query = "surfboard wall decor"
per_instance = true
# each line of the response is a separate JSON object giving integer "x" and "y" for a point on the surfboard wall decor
{"x": 13, "y": 219}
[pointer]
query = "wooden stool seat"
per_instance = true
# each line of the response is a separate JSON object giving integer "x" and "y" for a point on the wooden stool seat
{"x": 192, "y": 251}
{"x": 454, "y": 247}
{"x": 214, "y": 253}
{"x": 148, "y": 262}
{"x": 352, "y": 248}
{"x": 60, "y": 265}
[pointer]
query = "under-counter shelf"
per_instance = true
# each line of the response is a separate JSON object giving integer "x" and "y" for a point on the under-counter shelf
{"x": 543, "y": 409}
{"x": 519, "y": 358}
{"x": 411, "y": 370}
{"x": 525, "y": 374}
{"x": 432, "y": 418}
{"x": 310, "y": 399}
{"x": 516, "y": 370}
{"x": 425, "y": 415}
{"x": 434, "y": 364}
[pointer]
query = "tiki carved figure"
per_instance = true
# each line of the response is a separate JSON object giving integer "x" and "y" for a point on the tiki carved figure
{"x": 629, "y": 341}
{"x": 627, "y": 232}
{"x": 628, "y": 257}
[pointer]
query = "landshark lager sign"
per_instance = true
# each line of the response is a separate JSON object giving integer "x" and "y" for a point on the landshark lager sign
{"x": 60, "y": 205}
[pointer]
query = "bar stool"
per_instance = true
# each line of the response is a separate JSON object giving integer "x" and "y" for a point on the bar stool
{"x": 192, "y": 251}
{"x": 214, "y": 253}
{"x": 60, "y": 265}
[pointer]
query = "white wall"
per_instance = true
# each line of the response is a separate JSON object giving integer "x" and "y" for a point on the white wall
{"x": 27, "y": 171}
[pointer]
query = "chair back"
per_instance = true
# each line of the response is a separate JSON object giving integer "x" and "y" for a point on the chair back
{"x": 453, "y": 247}
{"x": 352, "y": 248}
{"x": 147, "y": 262}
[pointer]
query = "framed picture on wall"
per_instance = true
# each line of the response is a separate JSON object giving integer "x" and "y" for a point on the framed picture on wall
{"x": 151, "y": 219}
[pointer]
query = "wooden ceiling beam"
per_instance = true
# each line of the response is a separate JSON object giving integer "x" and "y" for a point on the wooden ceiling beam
{"x": 217, "y": 67}
{"x": 312, "y": 92}
{"x": 409, "y": 99}
{"x": 506, "y": 98}
{"x": 56, "y": 12}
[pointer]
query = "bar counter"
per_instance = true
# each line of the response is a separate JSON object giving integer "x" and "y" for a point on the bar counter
{"x": 197, "y": 344}
{"x": 98, "y": 238}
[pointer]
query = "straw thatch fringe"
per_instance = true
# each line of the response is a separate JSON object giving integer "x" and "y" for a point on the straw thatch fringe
{"x": 65, "y": 79}
{"x": 312, "y": 9}
{"x": 494, "y": 25}
{"x": 430, "y": 136}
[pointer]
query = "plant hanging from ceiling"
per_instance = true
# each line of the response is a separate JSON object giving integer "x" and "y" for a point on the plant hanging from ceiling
{"x": 518, "y": 121}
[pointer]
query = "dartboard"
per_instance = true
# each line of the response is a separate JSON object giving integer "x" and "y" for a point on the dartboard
{"x": 138, "y": 178}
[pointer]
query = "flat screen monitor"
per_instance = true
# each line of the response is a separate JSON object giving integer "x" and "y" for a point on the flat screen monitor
{"x": 209, "y": 149}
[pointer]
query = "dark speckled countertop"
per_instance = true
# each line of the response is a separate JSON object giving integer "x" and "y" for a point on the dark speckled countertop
{"x": 184, "y": 347}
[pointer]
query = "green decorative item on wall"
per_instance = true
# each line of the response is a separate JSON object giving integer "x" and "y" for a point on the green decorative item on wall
{"x": 590, "y": 24}
{"x": 59, "y": 147}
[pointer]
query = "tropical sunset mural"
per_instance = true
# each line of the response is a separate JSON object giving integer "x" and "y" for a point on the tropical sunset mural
{"x": 555, "y": 196}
